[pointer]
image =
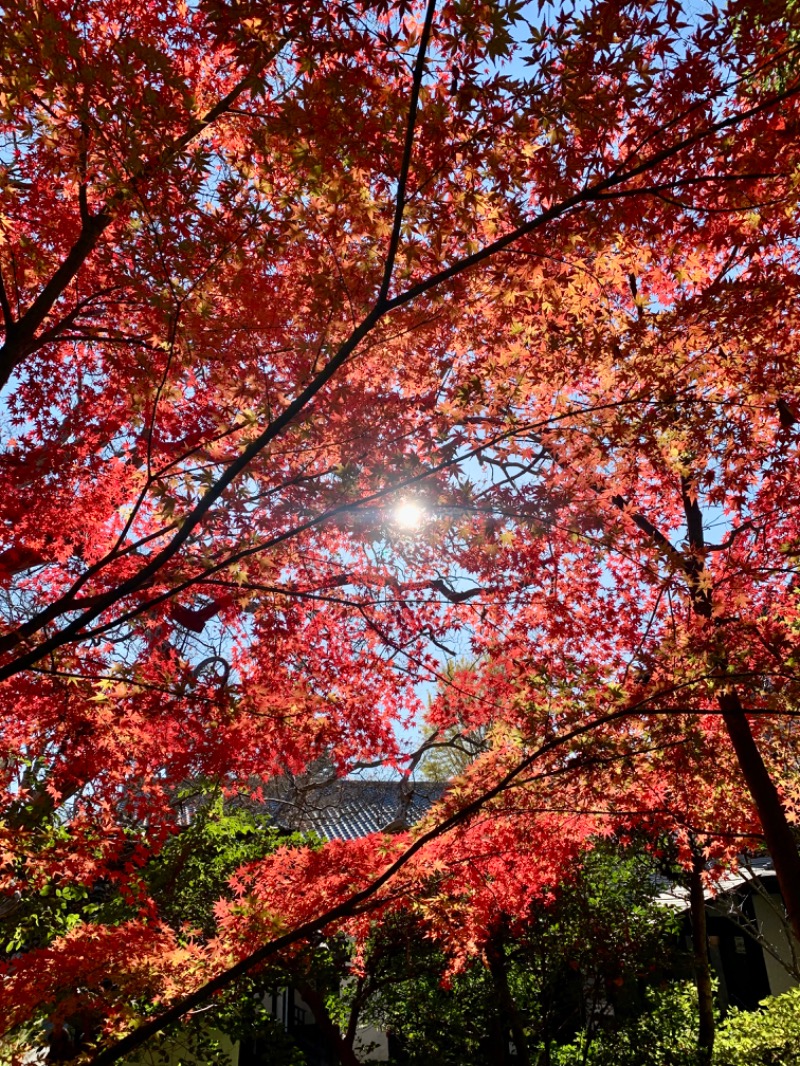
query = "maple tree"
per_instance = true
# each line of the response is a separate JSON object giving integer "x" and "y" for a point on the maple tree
{"x": 269, "y": 270}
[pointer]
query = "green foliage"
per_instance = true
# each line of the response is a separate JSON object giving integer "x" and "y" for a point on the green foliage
{"x": 185, "y": 879}
{"x": 605, "y": 924}
{"x": 240, "y": 1015}
{"x": 664, "y": 1033}
{"x": 601, "y": 932}
{"x": 445, "y": 1026}
{"x": 42, "y": 910}
{"x": 187, "y": 1045}
{"x": 766, "y": 1037}
{"x": 768, "y": 18}
{"x": 455, "y": 751}
{"x": 189, "y": 875}
{"x": 194, "y": 867}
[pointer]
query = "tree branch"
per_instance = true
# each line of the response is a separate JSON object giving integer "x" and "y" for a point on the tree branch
{"x": 21, "y": 340}
{"x": 400, "y": 201}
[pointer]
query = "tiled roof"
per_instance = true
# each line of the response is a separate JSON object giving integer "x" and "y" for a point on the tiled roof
{"x": 348, "y": 808}
{"x": 342, "y": 809}
{"x": 677, "y": 896}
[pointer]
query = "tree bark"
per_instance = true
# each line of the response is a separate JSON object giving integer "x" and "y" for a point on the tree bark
{"x": 21, "y": 335}
{"x": 508, "y": 1008}
{"x": 327, "y": 1027}
{"x": 702, "y": 968}
{"x": 780, "y": 839}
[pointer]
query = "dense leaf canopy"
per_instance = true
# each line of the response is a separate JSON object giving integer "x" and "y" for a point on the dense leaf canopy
{"x": 269, "y": 271}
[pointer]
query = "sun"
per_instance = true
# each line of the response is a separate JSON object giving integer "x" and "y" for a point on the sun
{"x": 408, "y": 514}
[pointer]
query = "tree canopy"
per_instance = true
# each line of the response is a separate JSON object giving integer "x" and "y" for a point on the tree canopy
{"x": 343, "y": 338}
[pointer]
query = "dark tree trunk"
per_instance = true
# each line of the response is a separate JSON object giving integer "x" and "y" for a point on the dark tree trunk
{"x": 509, "y": 1012}
{"x": 702, "y": 968}
{"x": 777, "y": 831}
{"x": 331, "y": 1033}
{"x": 780, "y": 839}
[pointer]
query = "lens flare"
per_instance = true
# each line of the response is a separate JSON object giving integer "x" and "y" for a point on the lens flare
{"x": 408, "y": 514}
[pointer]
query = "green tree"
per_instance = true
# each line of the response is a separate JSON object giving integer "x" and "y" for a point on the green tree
{"x": 577, "y": 966}
{"x": 180, "y": 888}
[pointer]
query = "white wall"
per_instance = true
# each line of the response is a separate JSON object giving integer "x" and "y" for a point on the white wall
{"x": 774, "y": 931}
{"x": 371, "y": 1044}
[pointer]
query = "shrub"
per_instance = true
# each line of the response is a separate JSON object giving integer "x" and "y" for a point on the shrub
{"x": 769, "y": 1036}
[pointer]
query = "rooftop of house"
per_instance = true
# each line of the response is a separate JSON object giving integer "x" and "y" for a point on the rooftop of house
{"x": 349, "y": 808}
{"x": 337, "y": 809}
{"x": 677, "y": 896}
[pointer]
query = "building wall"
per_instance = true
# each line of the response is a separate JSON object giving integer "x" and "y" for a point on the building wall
{"x": 371, "y": 1045}
{"x": 774, "y": 930}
